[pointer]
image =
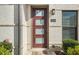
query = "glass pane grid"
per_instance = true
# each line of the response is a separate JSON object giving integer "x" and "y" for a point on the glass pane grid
{"x": 69, "y": 19}
{"x": 69, "y": 24}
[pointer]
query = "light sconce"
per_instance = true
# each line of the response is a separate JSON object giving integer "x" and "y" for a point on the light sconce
{"x": 53, "y": 11}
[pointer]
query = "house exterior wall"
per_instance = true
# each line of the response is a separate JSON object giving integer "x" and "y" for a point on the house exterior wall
{"x": 55, "y": 28}
{"x": 9, "y": 25}
{"x": 7, "y": 22}
{"x": 16, "y": 25}
{"x": 25, "y": 29}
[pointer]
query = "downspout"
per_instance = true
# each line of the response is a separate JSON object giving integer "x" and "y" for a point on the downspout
{"x": 18, "y": 29}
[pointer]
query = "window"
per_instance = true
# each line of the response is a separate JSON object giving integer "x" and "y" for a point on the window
{"x": 69, "y": 24}
{"x": 69, "y": 33}
{"x": 39, "y": 40}
{"x": 39, "y": 31}
{"x": 39, "y": 22}
{"x": 39, "y": 13}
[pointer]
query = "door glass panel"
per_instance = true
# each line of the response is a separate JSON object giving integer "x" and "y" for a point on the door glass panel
{"x": 39, "y": 40}
{"x": 39, "y": 22}
{"x": 39, "y": 13}
{"x": 39, "y": 31}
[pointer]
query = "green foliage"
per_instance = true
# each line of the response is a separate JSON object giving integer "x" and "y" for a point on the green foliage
{"x": 5, "y": 48}
{"x": 6, "y": 45}
{"x": 71, "y": 47}
{"x": 77, "y": 50}
{"x": 69, "y": 43}
{"x": 70, "y": 51}
{"x": 4, "y": 51}
{"x": 73, "y": 51}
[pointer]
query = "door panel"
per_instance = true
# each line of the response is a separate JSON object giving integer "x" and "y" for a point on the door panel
{"x": 39, "y": 27}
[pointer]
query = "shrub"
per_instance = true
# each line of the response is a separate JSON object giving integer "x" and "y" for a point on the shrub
{"x": 5, "y": 48}
{"x": 6, "y": 45}
{"x": 70, "y": 51}
{"x": 73, "y": 51}
{"x": 4, "y": 51}
{"x": 76, "y": 50}
{"x": 69, "y": 43}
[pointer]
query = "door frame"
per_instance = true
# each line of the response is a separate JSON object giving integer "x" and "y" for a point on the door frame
{"x": 47, "y": 29}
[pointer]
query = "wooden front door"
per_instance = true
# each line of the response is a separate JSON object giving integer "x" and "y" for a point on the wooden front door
{"x": 39, "y": 27}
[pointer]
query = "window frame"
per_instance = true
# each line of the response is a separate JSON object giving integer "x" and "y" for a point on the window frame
{"x": 76, "y": 30}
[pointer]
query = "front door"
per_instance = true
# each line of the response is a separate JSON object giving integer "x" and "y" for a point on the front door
{"x": 39, "y": 27}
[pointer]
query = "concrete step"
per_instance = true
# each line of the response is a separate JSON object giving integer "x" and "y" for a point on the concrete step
{"x": 38, "y": 51}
